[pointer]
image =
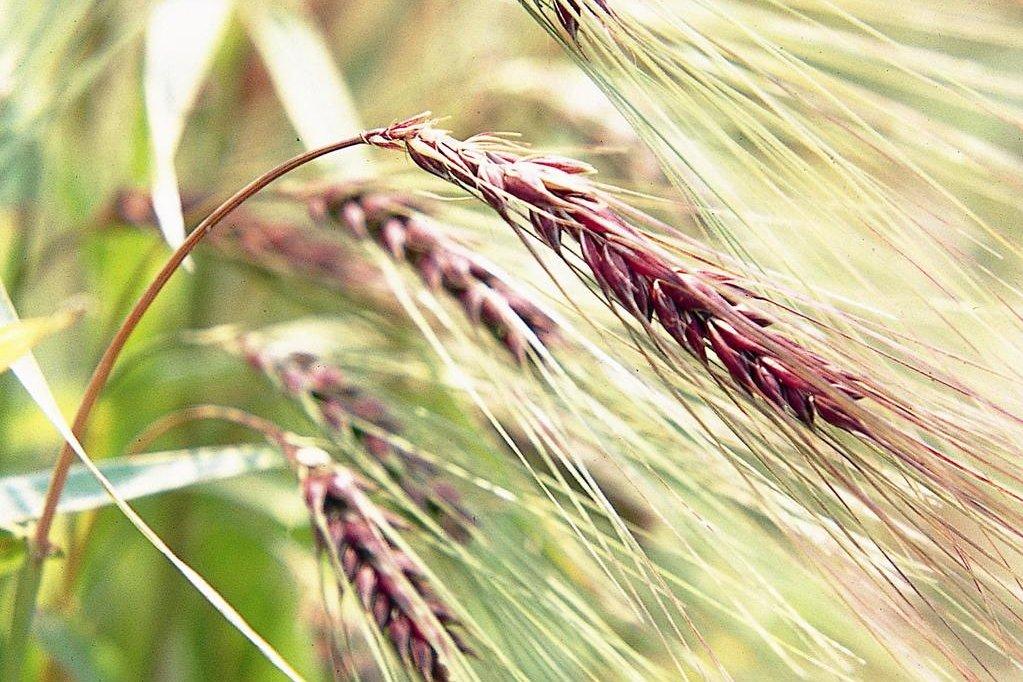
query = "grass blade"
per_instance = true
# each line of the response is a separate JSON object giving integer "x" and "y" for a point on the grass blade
{"x": 21, "y": 497}
{"x": 308, "y": 82}
{"x": 18, "y": 338}
{"x": 174, "y": 71}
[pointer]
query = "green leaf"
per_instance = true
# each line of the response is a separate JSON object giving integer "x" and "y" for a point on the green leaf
{"x": 21, "y": 497}
{"x": 27, "y": 369}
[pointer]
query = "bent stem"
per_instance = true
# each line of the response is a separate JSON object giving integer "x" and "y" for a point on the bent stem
{"x": 273, "y": 433}
{"x": 113, "y": 351}
{"x": 28, "y": 584}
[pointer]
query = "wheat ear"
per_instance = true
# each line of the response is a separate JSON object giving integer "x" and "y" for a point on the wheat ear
{"x": 389, "y": 583}
{"x": 394, "y": 223}
{"x": 703, "y": 312}
{"x": 342, "y": 405}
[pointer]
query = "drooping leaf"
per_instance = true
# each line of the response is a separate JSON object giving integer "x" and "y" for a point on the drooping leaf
{"x": 21, "y": 497}
{"x": 24, "y": 365}
{"x": 174, "y": 71}
{"x": 308, "y": 82}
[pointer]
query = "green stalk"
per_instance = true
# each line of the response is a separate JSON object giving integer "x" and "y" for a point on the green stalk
{"x": 29, "y": 578}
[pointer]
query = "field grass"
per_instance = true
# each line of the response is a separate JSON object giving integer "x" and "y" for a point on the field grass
{"x": 681, "y": 341}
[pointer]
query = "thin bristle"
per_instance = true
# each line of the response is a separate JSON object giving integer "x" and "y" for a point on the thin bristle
{"x": 710, "y": 317}
{"x": 568, "y": 13}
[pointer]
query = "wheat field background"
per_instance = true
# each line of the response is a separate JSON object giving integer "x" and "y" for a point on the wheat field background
{"x": 536, "y": 340}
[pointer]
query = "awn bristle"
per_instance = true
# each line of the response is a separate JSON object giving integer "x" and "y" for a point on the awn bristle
{"x": 569, "y": 12}
{"x": 709, "y": 316}
{"x": 381, "y": 574}
{"x": 703, "y": 312}
{"x": 393, "y": 223}
{"x": 338, "y": 400}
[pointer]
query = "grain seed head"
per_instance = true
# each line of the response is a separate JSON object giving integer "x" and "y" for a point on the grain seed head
{"x": 394, "y": 224}
{"x": 704, "y": 312}
{"x": 341, "y": 405}
{"x": 390, "y": 584}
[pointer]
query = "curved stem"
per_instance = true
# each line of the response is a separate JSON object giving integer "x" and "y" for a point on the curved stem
{"x": 273, "y": 433}
{"x": 113, "y": 351}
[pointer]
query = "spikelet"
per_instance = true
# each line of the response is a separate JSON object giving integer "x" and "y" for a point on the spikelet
{"x": 407, "y": 235}
{"x": 569, "y": 13}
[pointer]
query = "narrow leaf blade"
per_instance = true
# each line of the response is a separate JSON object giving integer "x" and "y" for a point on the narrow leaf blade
{"x": 175, "y": 69}
{"x": 18, "y": 338}
{"x": 308, "y": 82}
{"x": 21, "y": 497}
